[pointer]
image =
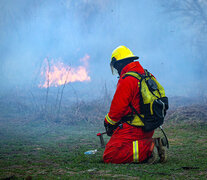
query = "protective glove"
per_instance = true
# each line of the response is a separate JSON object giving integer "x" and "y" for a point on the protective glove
{"x": 109, "y": 128}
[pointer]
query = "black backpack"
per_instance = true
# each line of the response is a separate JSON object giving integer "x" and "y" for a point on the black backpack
{"x": 153, "y": 102}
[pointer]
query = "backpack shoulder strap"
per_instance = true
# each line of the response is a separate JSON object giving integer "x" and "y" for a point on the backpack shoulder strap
{"x": 133, "y": 74}
{"x": 147, "y": 73}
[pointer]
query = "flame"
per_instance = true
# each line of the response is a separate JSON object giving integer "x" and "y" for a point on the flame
{"x": 57, "y": 74}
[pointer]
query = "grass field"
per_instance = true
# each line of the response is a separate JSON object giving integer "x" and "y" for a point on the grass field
{"x": 49, "y": 151}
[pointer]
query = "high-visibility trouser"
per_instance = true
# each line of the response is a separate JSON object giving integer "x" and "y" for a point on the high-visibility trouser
{"x": 128, "y": 151}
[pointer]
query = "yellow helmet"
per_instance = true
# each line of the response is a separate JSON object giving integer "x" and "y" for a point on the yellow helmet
{"x": 119, "y": 54}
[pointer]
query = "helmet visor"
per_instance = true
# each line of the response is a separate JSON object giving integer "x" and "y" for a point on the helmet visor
{"x": 113, "y": 70}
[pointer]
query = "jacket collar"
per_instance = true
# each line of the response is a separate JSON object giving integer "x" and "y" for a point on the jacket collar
{"x": 133, "y": 66}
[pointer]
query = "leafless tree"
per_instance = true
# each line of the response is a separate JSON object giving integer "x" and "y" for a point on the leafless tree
{"x": 61, "y": 95}
{"x": 194, "y": 14}
{"x": 194, "y": 11}
{"x": 48, "y": 83}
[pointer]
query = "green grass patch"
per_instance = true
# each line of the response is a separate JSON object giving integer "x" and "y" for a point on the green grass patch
{"x": 51, "y": 151}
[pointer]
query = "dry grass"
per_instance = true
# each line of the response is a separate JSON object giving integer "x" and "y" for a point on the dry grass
{"x": 192, "y": 113}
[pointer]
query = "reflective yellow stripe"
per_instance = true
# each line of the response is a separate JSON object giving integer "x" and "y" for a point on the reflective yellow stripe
{"x": 135, "y": 151}
{"x": 110, "y": 120}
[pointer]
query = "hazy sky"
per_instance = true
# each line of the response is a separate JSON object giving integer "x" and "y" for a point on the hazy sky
{"x": 166, "y": 43}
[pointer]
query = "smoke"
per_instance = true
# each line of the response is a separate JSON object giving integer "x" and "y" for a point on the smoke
{"x": 32, "y": 30}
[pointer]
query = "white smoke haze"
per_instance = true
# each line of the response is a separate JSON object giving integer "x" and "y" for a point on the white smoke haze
{"x": 171, "y": 44}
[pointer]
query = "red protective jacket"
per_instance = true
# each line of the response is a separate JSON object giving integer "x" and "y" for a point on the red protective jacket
{"x": 129, "y": 144}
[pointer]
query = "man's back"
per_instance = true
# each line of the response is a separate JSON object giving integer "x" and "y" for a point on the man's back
{"x": 129, "y": 143}
{"x": 120, "y": 147}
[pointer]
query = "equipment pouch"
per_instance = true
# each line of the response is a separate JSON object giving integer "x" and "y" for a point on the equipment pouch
{"x": 159, "y": 108}
{"x": 151, "y": 123}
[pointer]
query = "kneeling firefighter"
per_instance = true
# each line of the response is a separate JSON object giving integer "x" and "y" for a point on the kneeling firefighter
{"x": 138, "y": 107}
